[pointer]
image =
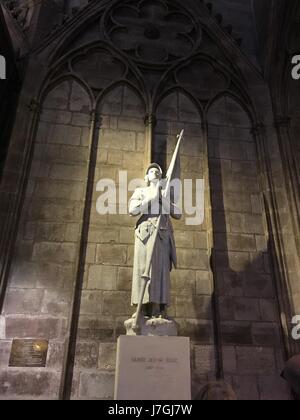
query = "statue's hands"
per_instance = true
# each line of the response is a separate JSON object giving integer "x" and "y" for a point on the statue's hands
{"x": 167, "y": 205}
{"x": 155, "y": 193}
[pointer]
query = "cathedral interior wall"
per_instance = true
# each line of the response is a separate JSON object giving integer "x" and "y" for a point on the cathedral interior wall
{"x": 68, "y": 279}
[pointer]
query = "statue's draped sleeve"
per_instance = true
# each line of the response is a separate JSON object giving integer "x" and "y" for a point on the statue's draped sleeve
{"x": 136, "y": 202}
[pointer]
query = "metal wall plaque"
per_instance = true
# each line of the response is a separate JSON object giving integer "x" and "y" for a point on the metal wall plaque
{"x": 28, "y": 353}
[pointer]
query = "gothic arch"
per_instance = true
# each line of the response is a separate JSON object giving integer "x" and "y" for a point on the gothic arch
{"x": 118, "y": 143}
{"x": 231, "y": 84}
{"x": 121, "y": 83}
{"x": 247, "y": 108}
{"x": 57, "y": 81}
{"x": 64, "y": 68}
{"x": 43, "y": 81}
{"x": 242, "y": 256}
{"x": 242, "y": 69}
{"x": 180, "y": 90}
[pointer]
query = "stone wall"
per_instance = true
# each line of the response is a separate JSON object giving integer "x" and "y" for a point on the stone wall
{"x": 69, "y": 274}
{"x": 9, "y": 91}
{"x": 40, "y": 288}
{"x": 294, "y": 110}
{"x": 105, "y": 299}
{"x": 249, "y": 314}
{"x": 191, "y": 282}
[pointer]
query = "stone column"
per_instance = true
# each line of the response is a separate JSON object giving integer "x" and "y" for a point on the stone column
{"x": 281, "y": 241}
{"x": 13, "y": 187}
{"x": 290, "y": 167}
{"x": 213, "y": 268}
{"x": 69, "y": 359}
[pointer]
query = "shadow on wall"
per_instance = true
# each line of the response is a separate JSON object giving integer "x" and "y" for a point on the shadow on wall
{"x": 249, "y": 323}
{"x": 248, "y": 353}
{"x": 235, "y": 332}
{"x": 249, "y": 345}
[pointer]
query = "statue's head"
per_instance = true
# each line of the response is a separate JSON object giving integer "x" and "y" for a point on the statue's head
{"x": 154, "y": 172}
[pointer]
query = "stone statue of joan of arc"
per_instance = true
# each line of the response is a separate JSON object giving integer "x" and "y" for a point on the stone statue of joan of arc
{"x": 150, "y": 204}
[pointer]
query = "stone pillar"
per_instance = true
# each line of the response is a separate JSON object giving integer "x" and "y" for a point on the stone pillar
{"x": 211, "y": 251}
{"x": 69, "y": 359}
{"x": 281, "y": 241}
{"x": 290, "y": 167}
{"x": 11, "y": 192}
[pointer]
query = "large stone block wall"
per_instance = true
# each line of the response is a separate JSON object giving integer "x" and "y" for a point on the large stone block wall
{"x": 38, "y": 298}
{"x": 284, "y": 174}
{"x": 44, "y": 265}
{"x": 39, "y": 293}
{"x": 191, "y": 282}
{"x": 249, "y": 315}
{"x": 105, "y": 299}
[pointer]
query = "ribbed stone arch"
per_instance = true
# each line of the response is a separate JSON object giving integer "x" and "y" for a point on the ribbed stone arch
{"x": 104, "y": 304}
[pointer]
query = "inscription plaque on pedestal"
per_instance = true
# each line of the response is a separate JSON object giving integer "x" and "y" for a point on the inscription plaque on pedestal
{"x": 153, "y": 368}
{"x": 28, "y": 353}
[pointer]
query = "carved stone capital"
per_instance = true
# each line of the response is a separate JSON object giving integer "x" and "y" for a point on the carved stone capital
{"x": 34, "y": 105}
{"x": 150, "y": 120}
{"x": 258, "y": 129}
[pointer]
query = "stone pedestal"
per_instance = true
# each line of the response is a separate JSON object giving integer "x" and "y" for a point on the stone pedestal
{"x": 152, "y": 327}
{"x": 153, "y": 368}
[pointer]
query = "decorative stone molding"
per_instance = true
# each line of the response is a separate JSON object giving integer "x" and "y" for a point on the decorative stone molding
{"x": 155, "y": 31}
{"x": 199, "y": 76}
{"x": 34, "y": 105}
{"x": 150, "y": 120}
{"x": 20, "y": 12}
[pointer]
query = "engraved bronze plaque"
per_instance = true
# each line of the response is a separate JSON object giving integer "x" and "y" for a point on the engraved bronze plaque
{"x": 28, "y": 353}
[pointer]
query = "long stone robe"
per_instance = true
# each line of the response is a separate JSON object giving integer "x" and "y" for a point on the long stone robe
{"x": 164, "y": 255}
